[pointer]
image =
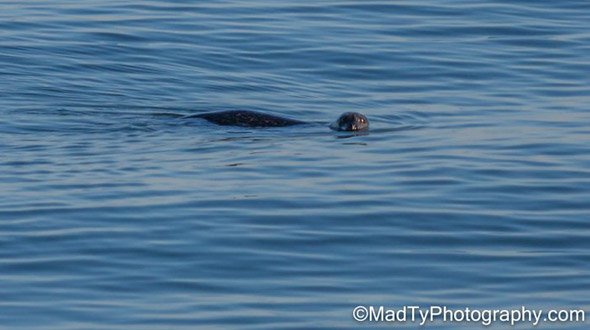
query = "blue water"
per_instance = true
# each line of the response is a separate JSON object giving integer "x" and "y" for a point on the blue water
{"x": 472, "y": 188}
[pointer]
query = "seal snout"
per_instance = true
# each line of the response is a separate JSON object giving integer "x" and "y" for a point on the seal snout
{"x": 350, "y": 121}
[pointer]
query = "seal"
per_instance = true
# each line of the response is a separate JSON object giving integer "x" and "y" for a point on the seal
{"x": 349, "y": 121}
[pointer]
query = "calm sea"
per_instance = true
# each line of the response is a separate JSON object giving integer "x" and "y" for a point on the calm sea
{"x": 472, "y": 188}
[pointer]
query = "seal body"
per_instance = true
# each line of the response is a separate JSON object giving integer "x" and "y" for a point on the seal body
{"x": 349, "y": 121}
{"x": 246, "y": 118}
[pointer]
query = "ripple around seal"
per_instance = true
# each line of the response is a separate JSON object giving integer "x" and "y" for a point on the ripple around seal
{"x": 471, "y": 189}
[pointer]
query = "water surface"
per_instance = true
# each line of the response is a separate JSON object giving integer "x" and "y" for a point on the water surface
{"x": 471, "y": 189}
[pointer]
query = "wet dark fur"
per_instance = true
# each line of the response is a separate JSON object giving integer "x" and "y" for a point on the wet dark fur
{"x": 247, "y": 119}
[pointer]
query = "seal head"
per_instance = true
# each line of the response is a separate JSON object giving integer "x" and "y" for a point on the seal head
{"x": 350, "y": 121}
